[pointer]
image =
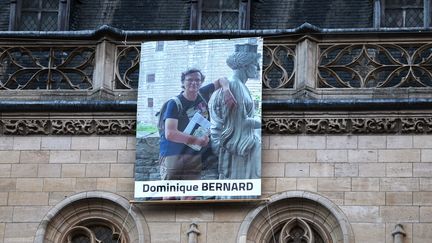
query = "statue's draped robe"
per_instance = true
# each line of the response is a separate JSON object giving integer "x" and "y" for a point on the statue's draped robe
{"x": 233, "y": 136}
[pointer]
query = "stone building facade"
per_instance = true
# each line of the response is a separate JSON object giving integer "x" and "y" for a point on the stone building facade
{"x": 347, "y": 122}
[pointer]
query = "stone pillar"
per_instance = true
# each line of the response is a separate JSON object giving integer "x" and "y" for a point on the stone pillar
{"x": 398, "y": 234}
{"x": 104, "y": 66}
{"x": 193, "y": 233}
{"x": 306, "y": 64}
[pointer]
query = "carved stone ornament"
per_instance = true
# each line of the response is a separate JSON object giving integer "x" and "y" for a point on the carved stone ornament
{"x": 348, "y": 124}
{"x": 271, "y": 124}
{"x": 68, "y": 126}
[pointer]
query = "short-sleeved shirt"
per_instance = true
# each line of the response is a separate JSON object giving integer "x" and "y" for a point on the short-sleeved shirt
{"x": 167, "y": 147}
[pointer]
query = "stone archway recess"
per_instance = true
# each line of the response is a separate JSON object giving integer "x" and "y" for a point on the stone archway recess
{"x": 295, "y": 204}
{"x": 100, "y": 204}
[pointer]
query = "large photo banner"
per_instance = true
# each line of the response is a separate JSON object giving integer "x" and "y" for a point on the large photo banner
{"x": 199, "y": 120}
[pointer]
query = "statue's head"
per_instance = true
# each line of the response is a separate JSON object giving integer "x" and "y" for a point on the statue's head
{"x": 245, "y": 58}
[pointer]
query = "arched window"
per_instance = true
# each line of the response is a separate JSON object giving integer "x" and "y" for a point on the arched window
{"x": 296, "y": 217}
{"x": 93, "y": 217}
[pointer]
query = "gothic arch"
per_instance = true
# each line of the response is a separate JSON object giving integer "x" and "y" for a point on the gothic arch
{"x": 109, "y": 210}
{"x": 311, "y": 217}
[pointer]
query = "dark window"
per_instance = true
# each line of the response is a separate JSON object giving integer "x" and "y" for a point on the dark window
{"x": 404, "y": 13}
{"x": 220, "y": 14}
{"x": 151, "y": 78}
{"x": 150, "y": 102}
{"x": 160, "y": 46}
{"x": 39, "y": 15}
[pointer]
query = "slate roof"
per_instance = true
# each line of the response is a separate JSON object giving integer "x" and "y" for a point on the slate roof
{"x": 174, "y": 14}
{"x": 281, "y": 14}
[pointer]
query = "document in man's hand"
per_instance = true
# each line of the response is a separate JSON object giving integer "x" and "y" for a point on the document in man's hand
{"x": 202, "y": 130}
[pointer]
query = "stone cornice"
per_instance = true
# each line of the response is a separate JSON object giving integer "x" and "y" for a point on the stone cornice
{"x": 283, "y": 123}
{"x": 348, "y": 123}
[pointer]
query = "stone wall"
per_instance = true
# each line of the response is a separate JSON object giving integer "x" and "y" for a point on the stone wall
{"x": 377, "y": 181}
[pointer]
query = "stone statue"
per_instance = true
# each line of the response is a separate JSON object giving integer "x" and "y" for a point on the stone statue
{"x": 235, "y": 132}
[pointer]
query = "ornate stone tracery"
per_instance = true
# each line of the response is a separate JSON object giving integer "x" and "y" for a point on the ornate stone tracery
{"x": 348, "y": 124}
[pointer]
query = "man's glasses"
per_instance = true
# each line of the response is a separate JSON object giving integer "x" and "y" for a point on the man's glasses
{"x": 193, "y": 80}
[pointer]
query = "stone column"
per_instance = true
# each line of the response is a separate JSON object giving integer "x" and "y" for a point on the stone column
{"x": 306, "y": 64}
{"x": 193, "y": 233}
{"x": 398, "y": 234}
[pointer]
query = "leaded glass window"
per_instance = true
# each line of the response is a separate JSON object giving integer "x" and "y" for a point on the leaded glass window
{"x": 94, "y": 232}
{"x": 39, "y": 15}
{"x": 403, "y": 13}
{"x": 220, "y": 14}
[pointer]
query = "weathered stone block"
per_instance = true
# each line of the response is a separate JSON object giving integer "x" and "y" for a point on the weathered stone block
{"x": 372, "y": 142}
{"x": 399, "y": 184}
{"x": 27, "y": 143}
{"x": 7, "y": 184}
{"x": 422, "y": 198}
{"x": 30, "y": 213}
{"x": 399, "y": 169}
{"x": 422, "y": 141}
{"x": 273, "y": 170}
{"x": 365, "y": 184}
{"x": 28, "y": 198}
{"x": 362, "y": 214}
{"x": 372, "y": 170}
{"x": 369, "y": 232}
{"x": 59, "y": 184}
{"x": 346, "y": 170}
{"x": 85, "y": 143}
{"x": 98, "y": 156}
{"x": 56, "y": 143}
{"x": 283, "y": 142}
{"x": 112, "y": 142}
{"x": 9, "y": 157}
{"x": 322, "y": 170}
{"x": 49, "y": 170}
{"x": 400, "y": 155}
{"x": 397, "y": 141}
{"x": 399, "y": 198}
{"x": 400, "y": 213}
{"x": 307, "y": 184}
{"x": 332, "y": 155}
{"x": 229, "y": 235}
{"x": 5, "y": 170}
{"x": 29, "y": 184}
{"x": 341, "y": 142}
{"x": 334, "y": 184}
{"x": 24, "y": 170}
{"x": 422, "y": 169}
{"x": 286, "y": 184}
{"x": 6, "y": 143}
{"x": 65, "y": 157}
{"x": 311, "y": 142}
{"x": 73, "y": 170}
{"x": 38, "y": 157}
{"x": 165, "y": 232}
{"x": 369, "y": 156}
{"x": 422, "y": 232}
{"x": 297, "y": 156}
{"x": 296, "y": 170}
{"x": 106, "y": 184}
{"x": 122, "y": 170}
{"x": 126, "y": 156}
{"x": 97, "y": 170}
{"x": 269, "y": 156}
{"x": 365, "y": 198}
